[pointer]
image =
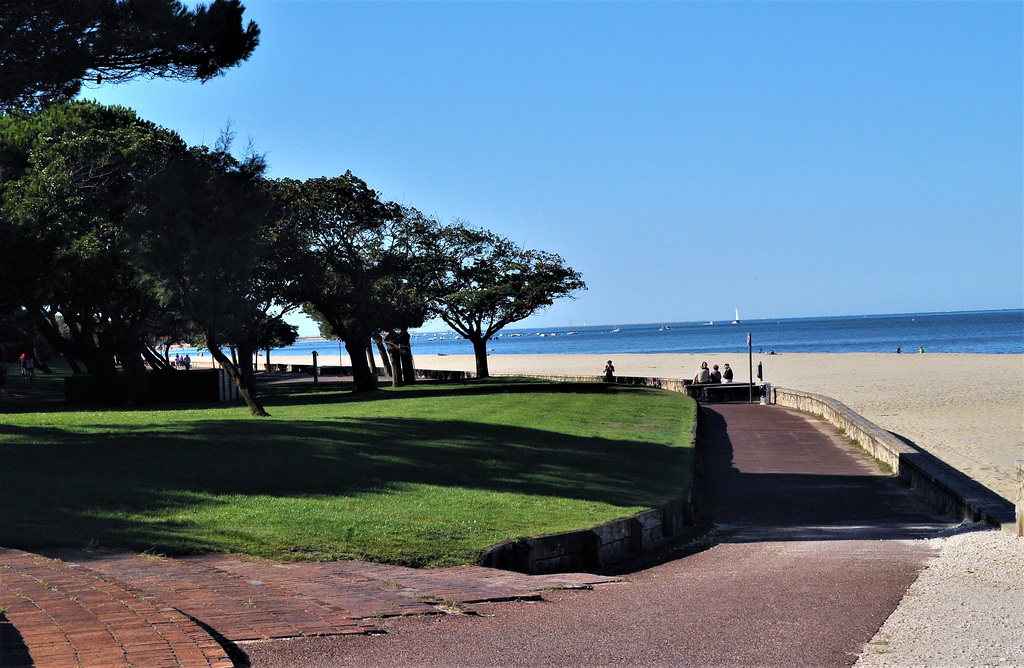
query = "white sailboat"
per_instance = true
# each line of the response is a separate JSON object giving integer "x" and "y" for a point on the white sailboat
{"x": 737, "y": 320}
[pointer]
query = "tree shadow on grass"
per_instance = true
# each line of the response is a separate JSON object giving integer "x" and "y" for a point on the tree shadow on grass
{"x": 68, "y": 488}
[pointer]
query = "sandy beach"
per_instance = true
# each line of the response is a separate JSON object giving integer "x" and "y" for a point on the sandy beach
{"x": 965, "y": 409}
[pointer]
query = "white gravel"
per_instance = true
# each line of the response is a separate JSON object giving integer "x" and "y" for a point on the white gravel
{"x": 966, "y": 608}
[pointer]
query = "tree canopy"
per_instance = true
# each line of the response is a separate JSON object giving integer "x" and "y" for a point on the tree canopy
{"x": 200, "y": 237}
{"x": 48, "y": 48}
{"x": 67, "y": 182}
{"x": 337, "y": 236}
{"x": 483, "y": 282}
{"x": 119, "y": 237}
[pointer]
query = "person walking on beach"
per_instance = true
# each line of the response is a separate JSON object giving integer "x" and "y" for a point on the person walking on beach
{"x": 727, "y": 374}
{"x": 609, "y": 372}
{"x": 703, "y": 375}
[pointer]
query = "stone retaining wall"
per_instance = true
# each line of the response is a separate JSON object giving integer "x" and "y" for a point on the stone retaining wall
{"x": 615, "y": 541}
{"x": 935, "y": 481}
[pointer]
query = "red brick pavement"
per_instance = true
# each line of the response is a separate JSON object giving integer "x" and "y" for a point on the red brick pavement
{"x": 67, "y": 615}
{"x": 106, "y": 609}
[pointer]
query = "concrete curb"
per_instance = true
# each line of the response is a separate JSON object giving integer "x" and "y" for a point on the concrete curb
{"x": 933, "y": 480}
{"x": 593, "y": 549}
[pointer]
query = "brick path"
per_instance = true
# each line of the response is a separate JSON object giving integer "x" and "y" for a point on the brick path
{"x": 104, "y": 609}
{"x": 67, "y": 615}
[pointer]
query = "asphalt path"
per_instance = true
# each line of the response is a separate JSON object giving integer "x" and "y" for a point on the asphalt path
{"x": 813, "y": 549}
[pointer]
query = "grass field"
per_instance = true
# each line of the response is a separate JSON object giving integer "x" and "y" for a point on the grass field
{"x": 423, "y": 476}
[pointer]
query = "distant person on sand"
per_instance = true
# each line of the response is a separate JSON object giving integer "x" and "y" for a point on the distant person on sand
{"x": 922, "y": 350}
{"x": 609, "y": 372}
{"x": 703, "y": 375}
{"x": 187, "y": 361}
{"x": 716, "y": 375}
{"x": 727, "y": 374}
{"x": 898, "y": 350}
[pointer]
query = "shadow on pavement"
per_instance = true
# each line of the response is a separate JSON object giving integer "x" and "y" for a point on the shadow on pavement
{"x": 777, "y": 477}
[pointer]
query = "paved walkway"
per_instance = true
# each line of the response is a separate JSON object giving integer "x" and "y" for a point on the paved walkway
{"x": 812, "y": 553}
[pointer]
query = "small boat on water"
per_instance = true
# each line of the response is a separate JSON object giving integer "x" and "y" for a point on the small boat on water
{"x": 616, "y": 330}
{"x": 737, "y": 320}
{"x": 665, "y": 328}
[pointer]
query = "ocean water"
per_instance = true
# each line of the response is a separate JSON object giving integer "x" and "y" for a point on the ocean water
{"x": 997, "y": 332}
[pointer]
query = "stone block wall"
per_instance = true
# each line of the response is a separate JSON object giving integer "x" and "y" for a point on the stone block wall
{"x": 596, "y": 548}
{"x": 945, "y": 488}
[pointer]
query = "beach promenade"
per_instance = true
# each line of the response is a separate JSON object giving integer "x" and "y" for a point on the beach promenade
{"x": 804, "y": 567}
{"x": 814, "y": 549}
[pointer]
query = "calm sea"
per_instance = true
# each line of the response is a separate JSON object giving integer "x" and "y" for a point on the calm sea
{"x": 961, "y": 332}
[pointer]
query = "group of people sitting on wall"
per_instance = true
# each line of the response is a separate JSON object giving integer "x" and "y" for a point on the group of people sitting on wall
{"x": 713, "y": 375}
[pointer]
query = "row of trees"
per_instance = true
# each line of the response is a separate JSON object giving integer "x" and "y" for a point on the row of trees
{"x": 119, "y": 237}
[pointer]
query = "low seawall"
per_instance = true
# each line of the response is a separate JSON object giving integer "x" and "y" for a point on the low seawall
{"x": 935, "y": 481}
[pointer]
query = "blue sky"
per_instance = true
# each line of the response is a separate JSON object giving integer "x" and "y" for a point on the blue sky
{"x": 786, "y": 159}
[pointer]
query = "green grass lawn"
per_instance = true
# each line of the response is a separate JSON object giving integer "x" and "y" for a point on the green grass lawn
{"x": 423, "y": 476}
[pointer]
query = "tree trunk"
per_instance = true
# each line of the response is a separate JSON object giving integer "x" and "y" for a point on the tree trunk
{"x": 363, "y": 380}
{"x": 369, "y": 356}
{"x": 250, "y": 397}
{"x": 134, "y": 369}
{"x": 480, "y": 353}
{"x": 395, "y": 357}
{"x": 246, "y": 366}
{"x": 408, "y": 369}
{"x": 156, "y": 361}
{"x": 382, "y": 349}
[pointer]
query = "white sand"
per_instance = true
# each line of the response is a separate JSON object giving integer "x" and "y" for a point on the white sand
{"x": 964, "y": 610}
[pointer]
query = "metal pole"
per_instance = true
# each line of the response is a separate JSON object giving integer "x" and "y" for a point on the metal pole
{"x": 316, "y": 371}
{"x": 750, "y": 361}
